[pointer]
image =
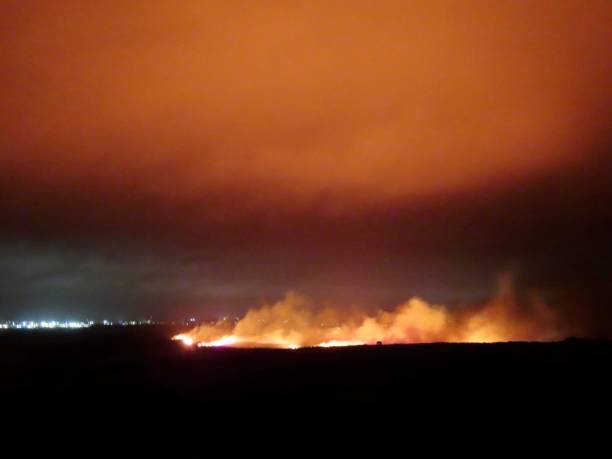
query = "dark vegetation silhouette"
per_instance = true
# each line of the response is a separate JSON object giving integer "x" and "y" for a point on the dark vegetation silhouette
{"x": 111, "y": 368}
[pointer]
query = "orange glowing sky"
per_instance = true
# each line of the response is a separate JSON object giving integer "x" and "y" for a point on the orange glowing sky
{"x": 219, "y": 153}
{"x": 380, "y": 100}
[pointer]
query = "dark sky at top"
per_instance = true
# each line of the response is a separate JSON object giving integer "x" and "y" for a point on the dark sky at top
{"x": 198, "y": 157}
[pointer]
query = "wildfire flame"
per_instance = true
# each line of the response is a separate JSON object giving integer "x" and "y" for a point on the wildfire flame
{"x": 295, "y": 322}
{"x": 187, "y": 341}
{"x": 225, "y": 341}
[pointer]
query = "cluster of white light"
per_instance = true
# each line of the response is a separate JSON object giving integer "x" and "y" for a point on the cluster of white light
{"x": 56, "y": 324}
{"x": 33, "y": 325}
{"x": 68, "y": 324}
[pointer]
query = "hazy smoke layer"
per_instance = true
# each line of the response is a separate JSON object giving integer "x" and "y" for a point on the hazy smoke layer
{"x": 296, "y": 322}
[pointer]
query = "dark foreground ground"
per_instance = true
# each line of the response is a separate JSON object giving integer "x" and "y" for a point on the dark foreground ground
{"x": 139, "y": 367}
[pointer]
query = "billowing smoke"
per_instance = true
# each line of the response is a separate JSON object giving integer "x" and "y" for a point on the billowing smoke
{"x": 296, "y": 321}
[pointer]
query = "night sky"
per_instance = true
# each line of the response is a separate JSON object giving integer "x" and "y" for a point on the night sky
{"x": 171, "y": 159}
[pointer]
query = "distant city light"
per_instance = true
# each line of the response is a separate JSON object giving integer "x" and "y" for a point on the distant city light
{"x": 33, "y": 325}
{"x": 69, "y": 324}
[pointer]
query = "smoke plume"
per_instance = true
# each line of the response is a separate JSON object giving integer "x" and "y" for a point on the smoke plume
{"x": 296, "y": 321}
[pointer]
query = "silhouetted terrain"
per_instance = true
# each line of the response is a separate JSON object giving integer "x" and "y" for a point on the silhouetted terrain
{"x": 108, "y": 368}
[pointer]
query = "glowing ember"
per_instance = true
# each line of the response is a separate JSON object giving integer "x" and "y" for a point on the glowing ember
{"x": 339, "y": 343}
{"x": 296, "y": 322}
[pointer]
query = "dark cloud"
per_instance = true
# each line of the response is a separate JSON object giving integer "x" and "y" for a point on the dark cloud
{"x": 552, "y": 232}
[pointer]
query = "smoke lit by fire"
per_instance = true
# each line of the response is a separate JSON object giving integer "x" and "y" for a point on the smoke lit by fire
{"x": 296, "y": 322}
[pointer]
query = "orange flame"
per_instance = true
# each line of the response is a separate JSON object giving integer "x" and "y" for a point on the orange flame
{"x": 295, "y": 322}
{"x": 186, "y": 340}
{"x": 225, "y": 341}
